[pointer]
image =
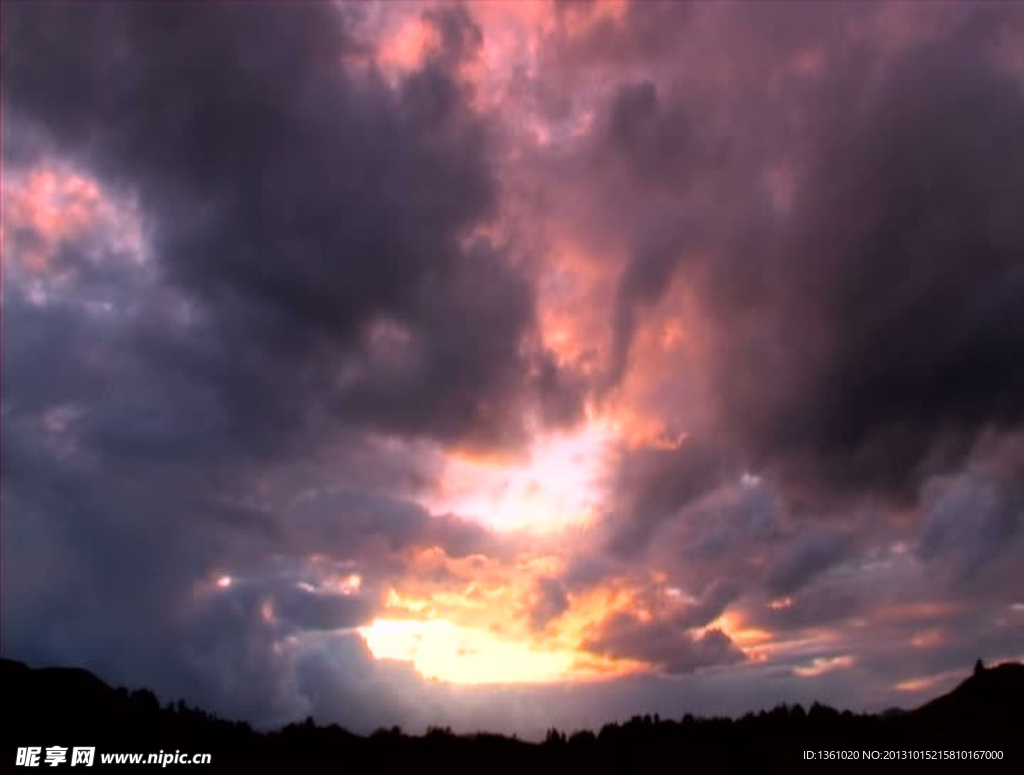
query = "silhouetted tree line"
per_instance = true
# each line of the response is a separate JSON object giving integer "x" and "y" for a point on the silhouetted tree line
{"x": 71, "y": 707}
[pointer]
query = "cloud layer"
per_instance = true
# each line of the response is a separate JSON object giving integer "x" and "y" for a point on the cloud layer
{"x": 659, "y": 356}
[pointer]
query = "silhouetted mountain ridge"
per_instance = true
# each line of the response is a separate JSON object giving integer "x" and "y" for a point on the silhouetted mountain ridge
{"x": 986, "y": 697}
{"x": 72, "y": 707}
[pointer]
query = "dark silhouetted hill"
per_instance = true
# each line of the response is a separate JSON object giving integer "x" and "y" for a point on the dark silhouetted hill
{"x": 71, "y": 707}
{"x": 992, "y": 698}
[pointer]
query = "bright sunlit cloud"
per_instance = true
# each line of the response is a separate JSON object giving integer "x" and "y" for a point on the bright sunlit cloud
{"x": 464, "y": 655}
{"x": 822, "y": 665}
{"x": 558, "y": 484}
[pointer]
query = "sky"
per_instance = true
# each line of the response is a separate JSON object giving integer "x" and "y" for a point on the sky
{"x": 503, "y": 365}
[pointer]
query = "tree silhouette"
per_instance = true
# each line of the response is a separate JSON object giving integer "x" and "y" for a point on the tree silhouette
{"x": 76, "y": 708}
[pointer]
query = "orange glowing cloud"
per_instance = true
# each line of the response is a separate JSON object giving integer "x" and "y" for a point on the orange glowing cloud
{"x": 929, "y": 682}
{"x": 408, "y": 46}
{"x": 56, "y": 206}
{"x": 456, "y": 654}
{"x": 746, "y": 637}
{"x": 917, "y": 612}
{"x": 574, "y": 292}
{"x": 476, "y": 590}
{"x": 468, "y": 621}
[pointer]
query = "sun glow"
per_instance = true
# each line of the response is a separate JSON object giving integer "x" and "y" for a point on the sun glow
{"x": 460, "y": 654}
{"x": 483, "y": 633}
{"x": 452, "y": 653}
{"x": 557, "y": 484}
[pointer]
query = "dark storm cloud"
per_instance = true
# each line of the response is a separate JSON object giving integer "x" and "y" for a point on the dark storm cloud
{"x": 562, "y": 393}
{"x": 640, "y": 286}
{"x": 660, "y": 141}
{"x": 312, "y": 610}
{"x": 357, "y": 522}
{"x": 650, "y": 143}
{"x": 100, "y": 565}
{"x": 654, "y": 484}
{"x": 861, "y": 336}
{"x": 805, "y": 558}
{"x": 552, "y": 600}
{"x": 821, "y": 605}
{"x": 973, "y": 521}
{"x": 672, "y": 638}
{"x": 114, "y": 511}
{"x": 318, "y": 296}
{"x": 739, "y": 533}
{"x": 709, "y": 606}
{"x": 301, "y": 204}
{"x": 461, "y": 38}
{"x": 309, "y": 280}
{"x": 652, "y": 146}
{"x": 343, "y": 682}
{"x": 894, "y": 310}
{"x": 671, "y": 645}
